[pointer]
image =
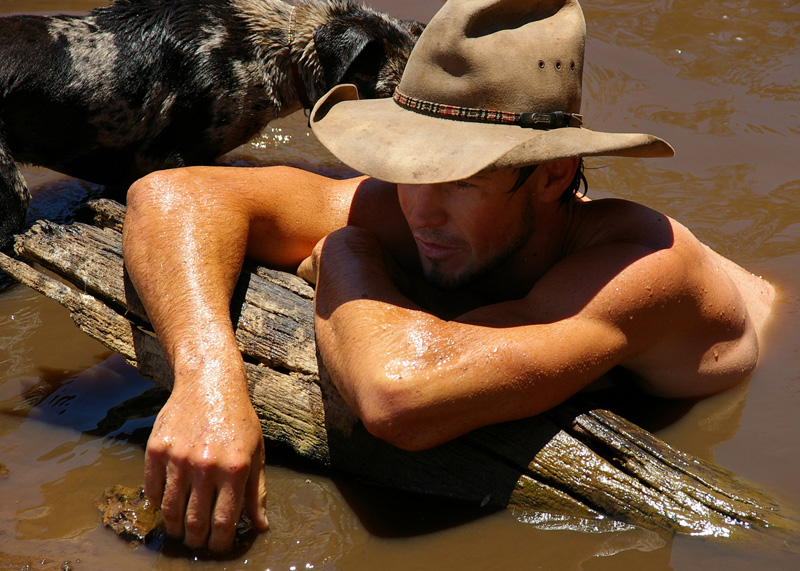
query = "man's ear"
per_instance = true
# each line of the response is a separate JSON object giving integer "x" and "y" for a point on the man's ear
{"x": 556, "y": 177}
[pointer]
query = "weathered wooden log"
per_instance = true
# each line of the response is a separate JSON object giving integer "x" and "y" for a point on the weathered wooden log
{"x": 575, "y": 461}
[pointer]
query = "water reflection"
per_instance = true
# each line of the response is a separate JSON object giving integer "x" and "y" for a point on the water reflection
{"x": 745, "y": 43}
{"x": 17, "y": 324}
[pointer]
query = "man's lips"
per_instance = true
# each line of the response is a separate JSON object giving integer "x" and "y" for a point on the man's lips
{"x": 435, "y": 250}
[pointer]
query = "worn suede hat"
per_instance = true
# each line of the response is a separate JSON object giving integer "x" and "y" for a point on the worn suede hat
{"x": 491, "y": 84}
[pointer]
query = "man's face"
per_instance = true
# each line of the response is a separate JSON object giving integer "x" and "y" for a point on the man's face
{"x": 468, "y": 228}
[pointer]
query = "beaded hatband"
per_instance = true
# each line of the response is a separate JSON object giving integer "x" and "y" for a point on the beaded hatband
{"x": 553, "y": 120}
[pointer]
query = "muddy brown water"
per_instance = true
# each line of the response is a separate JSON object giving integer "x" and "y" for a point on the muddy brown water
{"x": 719, "y": 80}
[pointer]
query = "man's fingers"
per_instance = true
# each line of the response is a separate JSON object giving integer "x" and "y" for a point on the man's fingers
{"x": 308, "y": 270}
{"x": 227, "y": 513}
{"x": 255, "y": 499}
{"x": 309, "y": 267}
{"x": 154, "y": 475}
{"x": 173, "y": 503}
{"x": 197, "y": 523}
{"x": 201, "y": 482}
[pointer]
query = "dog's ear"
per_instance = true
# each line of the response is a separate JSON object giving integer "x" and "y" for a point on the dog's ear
{"x": 414, "y": 28}
{"x": 347, "y": 51}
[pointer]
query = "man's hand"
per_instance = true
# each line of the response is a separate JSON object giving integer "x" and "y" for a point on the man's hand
{"x": 309, "y": 268}
{"x": 205, "y": 462}
{"x": 345, "y": 247}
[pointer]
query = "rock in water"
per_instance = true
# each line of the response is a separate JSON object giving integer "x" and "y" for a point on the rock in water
{"x": 128, "y": 513}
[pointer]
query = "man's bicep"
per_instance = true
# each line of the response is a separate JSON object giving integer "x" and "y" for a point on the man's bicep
{"x": 589, "y": 313}
{"x": 291, "y": 210}
{"x": 602, "y": 308}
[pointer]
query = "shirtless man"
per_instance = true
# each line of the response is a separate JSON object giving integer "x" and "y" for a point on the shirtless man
{"x": 463, "y": 283}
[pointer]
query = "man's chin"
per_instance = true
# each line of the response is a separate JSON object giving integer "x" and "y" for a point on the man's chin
{"x": 448, "y": 281}
{"x": 467, "y": 276}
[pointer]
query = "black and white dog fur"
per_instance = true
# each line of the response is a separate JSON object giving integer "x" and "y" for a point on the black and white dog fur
{"x": 143, "y": 85}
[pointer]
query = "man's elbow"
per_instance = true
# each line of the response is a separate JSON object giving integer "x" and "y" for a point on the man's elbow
{"x": 159, "y": 192}
{"x": 399, "y": 433}
{"x": 392, "y": 414}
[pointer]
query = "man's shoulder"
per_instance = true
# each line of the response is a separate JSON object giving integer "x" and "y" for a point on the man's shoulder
{"x": 615, "y": 220}
{"x": 371, "y": 195}
{"x": 630, "y": 265}
{"x": 659, "y": 247}
{"x": 675, "y": 297}
{"x": 375, "y": 207}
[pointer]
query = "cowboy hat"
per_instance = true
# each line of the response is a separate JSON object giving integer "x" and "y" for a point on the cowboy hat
{"x": 491, "y": 84}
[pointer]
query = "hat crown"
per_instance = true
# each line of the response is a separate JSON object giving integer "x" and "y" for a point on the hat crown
{"x": 509, "y": 55}
{"x": 490, "y": 85}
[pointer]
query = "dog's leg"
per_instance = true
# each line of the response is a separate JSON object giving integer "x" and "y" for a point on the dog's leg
{"x": 14, "y": 196}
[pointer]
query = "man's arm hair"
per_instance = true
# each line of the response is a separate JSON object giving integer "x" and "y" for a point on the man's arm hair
{"x": 186, "y": 234}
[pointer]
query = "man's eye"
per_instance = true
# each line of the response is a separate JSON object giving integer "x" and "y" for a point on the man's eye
{"x": 462, "y": 184}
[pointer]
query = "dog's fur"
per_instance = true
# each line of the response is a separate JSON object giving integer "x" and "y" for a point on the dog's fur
{"x": 144, "y": 85}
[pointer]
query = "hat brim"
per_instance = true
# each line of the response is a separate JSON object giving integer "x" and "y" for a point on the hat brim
{"x": 379, "y": 138}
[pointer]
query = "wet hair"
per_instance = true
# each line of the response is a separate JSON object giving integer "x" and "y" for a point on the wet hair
{"x": 572, "y": 190}
{"x": 523, "y": 175}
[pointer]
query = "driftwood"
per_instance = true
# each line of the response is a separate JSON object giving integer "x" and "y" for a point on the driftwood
{"x": 575, "y": 461}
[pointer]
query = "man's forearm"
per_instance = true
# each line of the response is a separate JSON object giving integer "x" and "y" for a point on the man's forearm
{"x": 205, "y": 456}
{"x": 414, "y": 379}
{"x": 365, "y": 332}
{"x": 184, "y": 263}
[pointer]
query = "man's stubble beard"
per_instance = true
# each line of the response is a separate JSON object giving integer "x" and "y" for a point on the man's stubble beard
{"x": 478, "y": 272}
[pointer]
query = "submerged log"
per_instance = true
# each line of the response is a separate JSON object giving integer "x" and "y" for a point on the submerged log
{"x": 576, "y": 461}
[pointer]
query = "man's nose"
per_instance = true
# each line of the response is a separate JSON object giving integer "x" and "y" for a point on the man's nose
{"x": 427, "y": 207}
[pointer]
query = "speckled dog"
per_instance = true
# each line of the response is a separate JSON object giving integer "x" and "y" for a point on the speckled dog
{"x": 144, "y": 85}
